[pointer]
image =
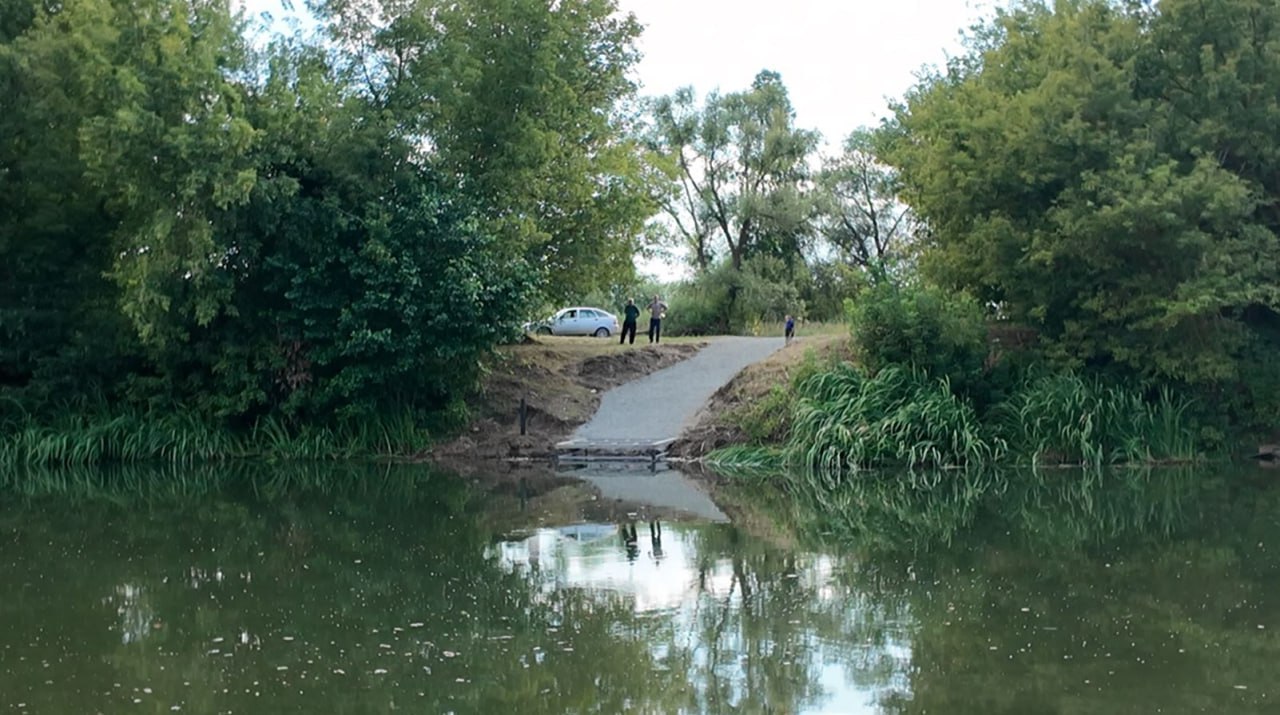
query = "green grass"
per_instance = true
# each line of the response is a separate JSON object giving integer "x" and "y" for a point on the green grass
{"x": 1065, "y": 419}
{"x": 743, "y": 461}
{"x": 124, "y": 438}
{"x": 133, "y": 437}
{"x": 839, "y": 418}
{"x": 389, "y": 484}
{"x": 845, "y": 419}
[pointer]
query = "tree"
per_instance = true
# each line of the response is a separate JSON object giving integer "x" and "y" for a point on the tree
{"x": 738, "y": 170}
{"x": 1103, "y": 172}
{"x": 193, "y": 226}
{"x": 362, "y": 282}
{"x": 52, "y": 255}
{"x": 519, "y": 103}
{"x": 861, "y": 215}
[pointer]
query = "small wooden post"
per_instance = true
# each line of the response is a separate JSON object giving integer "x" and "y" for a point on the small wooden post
{"x": 524, "y": 415}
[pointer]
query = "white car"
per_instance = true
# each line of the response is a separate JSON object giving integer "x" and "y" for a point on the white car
{"x": 578, "y": 321}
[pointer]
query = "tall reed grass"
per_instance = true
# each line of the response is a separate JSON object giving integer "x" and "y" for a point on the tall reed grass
{"x": 843, "y": 419}
{"x": 1066, "y": 419}
{"x": 156, "y": 483}
{"x": 846, "y": 419}
{"x": 133, "y": 437}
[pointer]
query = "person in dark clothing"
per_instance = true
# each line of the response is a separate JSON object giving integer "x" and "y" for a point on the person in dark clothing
{"x": 657, "y": 311}
{"x": 789, "y": 329}
{"x": 630, "y": 315}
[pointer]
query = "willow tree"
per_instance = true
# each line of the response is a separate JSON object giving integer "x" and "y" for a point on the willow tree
{"x": 738, "y": 168}
{"x": 861, "y": 215}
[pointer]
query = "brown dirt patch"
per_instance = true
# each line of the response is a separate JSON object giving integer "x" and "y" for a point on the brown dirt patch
{"x": 561, "y": 380}
{"x": 717, "y": 425}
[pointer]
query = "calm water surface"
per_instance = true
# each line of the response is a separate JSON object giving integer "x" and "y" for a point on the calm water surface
{"x": 405, "y": 591}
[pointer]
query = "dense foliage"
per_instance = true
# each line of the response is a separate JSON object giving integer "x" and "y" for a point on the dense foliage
{"x": 921, "y": 327}
{"x": 931, "y": 388}
{"x": 192, "y": 223}
{"x": 847, "y": 419}
{"x": 1106, "y": 173}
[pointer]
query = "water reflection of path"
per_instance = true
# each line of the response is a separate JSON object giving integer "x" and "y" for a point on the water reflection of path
{"x": 665, "y": 488}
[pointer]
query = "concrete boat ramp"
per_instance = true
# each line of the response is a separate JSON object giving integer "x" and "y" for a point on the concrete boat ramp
{"x": 638, "y": 421}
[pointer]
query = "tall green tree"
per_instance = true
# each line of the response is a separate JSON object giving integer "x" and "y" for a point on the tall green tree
{"x": 520, "y": 102}
{"x": 171, "y": 148}
{"x": 362, "y": 282}
{"x": 60, "y": 327}
{"x": 738, "y": 168}
{"x": 860, "y": 214}
{"x": 1103, "y": 173}
{"x": 193, "y": 225}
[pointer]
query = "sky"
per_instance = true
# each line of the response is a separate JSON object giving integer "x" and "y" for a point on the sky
{"x": 841, "y": 60}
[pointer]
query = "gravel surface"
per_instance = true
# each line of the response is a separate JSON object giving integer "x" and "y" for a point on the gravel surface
{"x": 661, "y": 405}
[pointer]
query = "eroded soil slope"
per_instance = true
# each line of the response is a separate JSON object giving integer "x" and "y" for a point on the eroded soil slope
{"x": 561, "y": 380}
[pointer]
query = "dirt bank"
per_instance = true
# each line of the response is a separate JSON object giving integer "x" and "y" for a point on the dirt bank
{"x": 561, "y": 380}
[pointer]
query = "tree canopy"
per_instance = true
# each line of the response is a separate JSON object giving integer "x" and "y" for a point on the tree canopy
{"x": 1106, "y": 173}
{"x": 521, "y": 104}
{"x": 739, "y": 170}
{"x": 194, "y": 222}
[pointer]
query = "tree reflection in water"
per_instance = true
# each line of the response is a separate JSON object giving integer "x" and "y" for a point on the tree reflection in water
{"x": 353, "y": 589}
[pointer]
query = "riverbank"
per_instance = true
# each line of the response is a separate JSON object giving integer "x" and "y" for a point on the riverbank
{"x": 561, "y": 381}
{"x": 745, "y": 410}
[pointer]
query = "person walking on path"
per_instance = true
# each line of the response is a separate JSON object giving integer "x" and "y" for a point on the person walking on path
{"x": 657, "y": 310}
{"x": 630, "y": 315}
{"x": 789, "y": 329}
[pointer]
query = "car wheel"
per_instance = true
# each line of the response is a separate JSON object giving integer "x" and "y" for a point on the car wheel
{"x": 544, "y": 330}
{"x": 602, "y": 332}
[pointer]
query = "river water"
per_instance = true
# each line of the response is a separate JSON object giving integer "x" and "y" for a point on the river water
{"x": 369, "y": 590}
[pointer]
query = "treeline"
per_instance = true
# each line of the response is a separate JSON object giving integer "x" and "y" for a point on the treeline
{"x": 204, "y": 224}
{"x": 262, "y": 234}
{"x": 1107, "y": 175}
{"x": 1097, "y": 182}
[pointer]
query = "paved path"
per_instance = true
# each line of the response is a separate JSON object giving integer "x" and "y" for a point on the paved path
{"x": 661, "y": 405}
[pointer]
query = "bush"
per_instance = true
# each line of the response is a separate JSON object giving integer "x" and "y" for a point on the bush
{"x": 725, "y": 300}
{"x": 921, "y": 327}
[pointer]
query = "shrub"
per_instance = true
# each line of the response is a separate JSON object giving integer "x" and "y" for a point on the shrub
{"x": 921, "y": 327}
{"x": 725, "y": 300}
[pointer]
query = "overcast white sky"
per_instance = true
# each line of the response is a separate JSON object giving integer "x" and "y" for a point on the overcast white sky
{"x": 840, "y": 59}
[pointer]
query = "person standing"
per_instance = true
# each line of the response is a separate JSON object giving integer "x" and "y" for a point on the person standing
{"x": 789, "y": 329}
{"x": 657, "y": 311}
{"x": 630, "y": 315}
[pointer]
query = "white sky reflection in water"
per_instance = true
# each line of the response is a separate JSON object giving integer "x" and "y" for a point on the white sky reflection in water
{"x": 593, "y": 558}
